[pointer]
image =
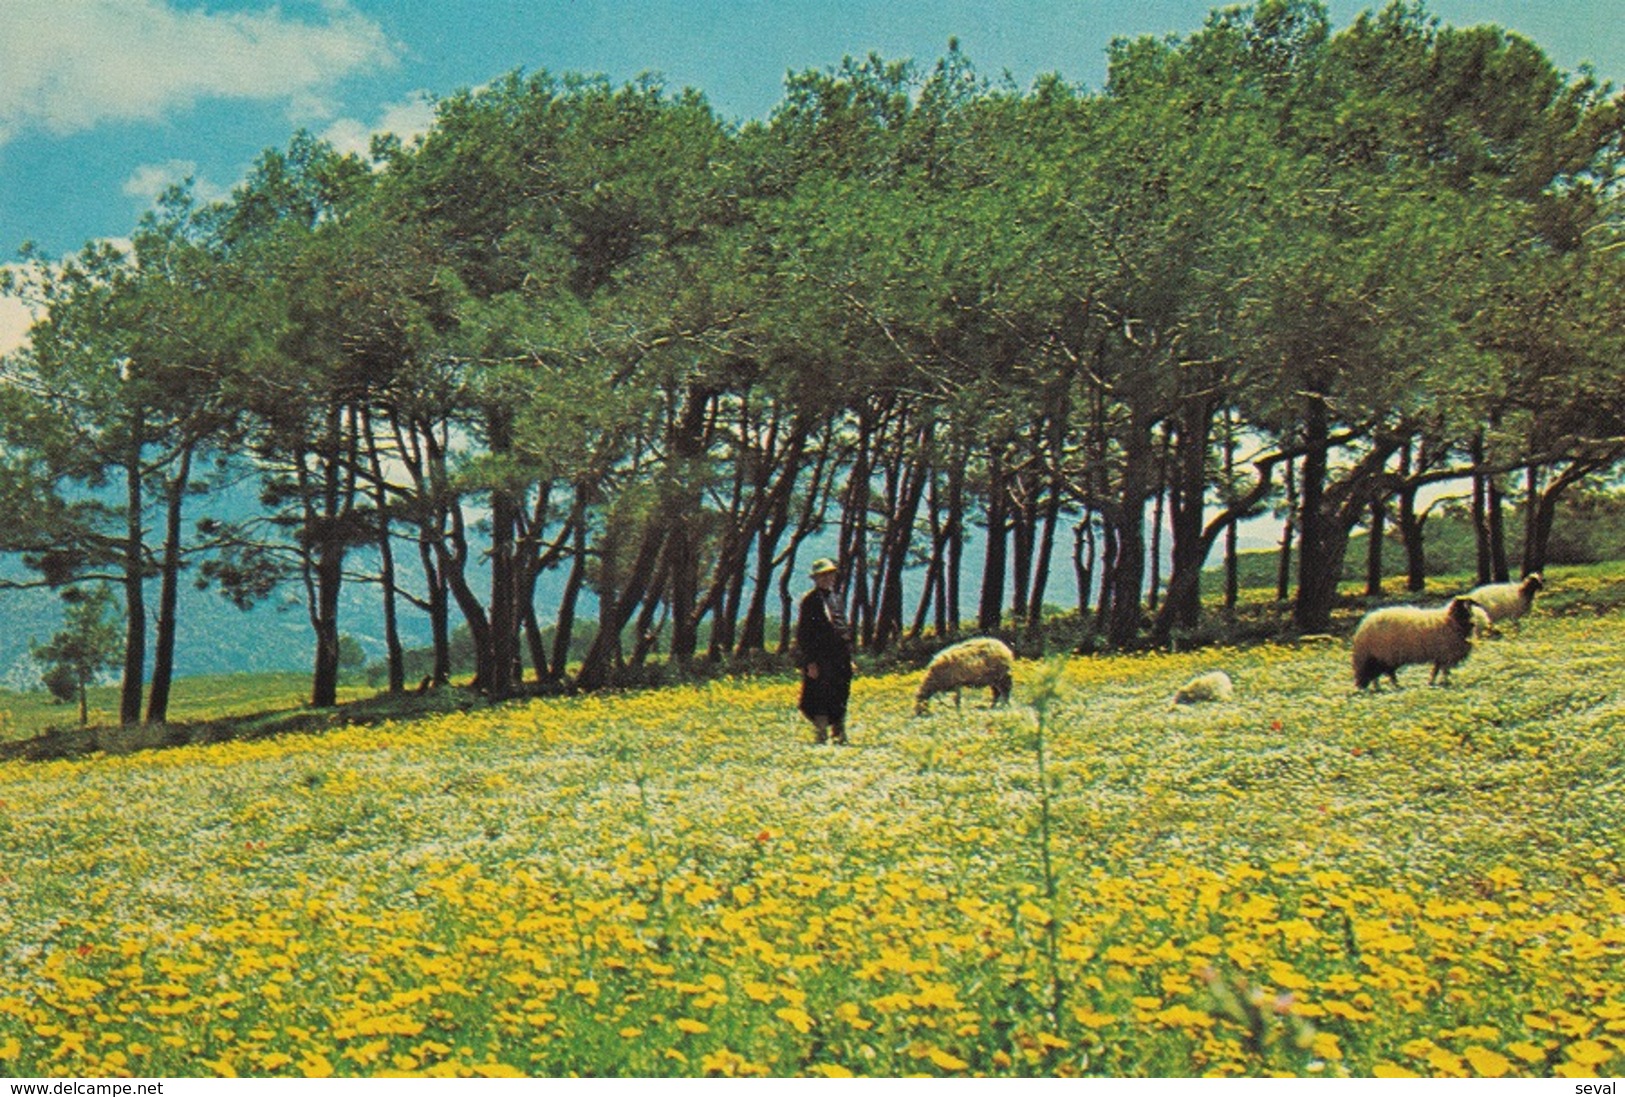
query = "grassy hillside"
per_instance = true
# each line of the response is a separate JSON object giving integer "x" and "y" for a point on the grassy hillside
{"x": 1303, "y": 880}
{"x": 204, "y": 697}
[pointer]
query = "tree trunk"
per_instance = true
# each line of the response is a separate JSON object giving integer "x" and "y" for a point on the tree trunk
{"x": 1320, "y": 563}
{"x": 753, "y": 633}
{"x": 1128, "y": 572}
{"x": 163, "y": 648}
{"x": 1283, "y": 568}
{"x": 597, "y": 668}
{"x": 1373, "y": 556}
{"x": 502, "y": 651}
{"x": 564, "y": 624}
{"x": 854, "y": 551}
{"x": 760, "y": 522}
{"x": 1184, "y": 585}
{"x": 1531, "y": 511}
{"x": 1539, "y": 538}
{"x": 451, "y": 552}
{"x": 814, "y": 510}
{"x": 394, "y": 652}
{"x": 954, "y": 534}
{"x": 990, "y": 611}
{"x": 1158, "y": 516}
{"x": 687, "y": 444}
{"x": 1051, "y": 518}
{"x": 415, "y": 445}
{"x": 1538, "y": 542}
{"x": 439, "y": 608}
{"x": 1184, "y": 481}
{"x": 1499, "y": 569}
{"x": 1410, "y": 528}
{"x": 135, "y": 602}
{"x": 1109, "y": 553}
{"x": 453, "y": 560}
{"x": 933, "y": 593}
{"x": 646, "y": 633}
{"x": 1480, "y": 512}
{"x": 1337, "y": 509}
{"x": 329, "y": 577}
{"x": 899, "y": 537}
{"x": 1023, "y": 544}
{"x": 531, "y": 560}
{"x": 1232, "y": 556}
{"x": 1083, "y": 562}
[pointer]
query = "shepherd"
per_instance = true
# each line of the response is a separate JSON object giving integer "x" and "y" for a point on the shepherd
{"x": 824, "y": 650}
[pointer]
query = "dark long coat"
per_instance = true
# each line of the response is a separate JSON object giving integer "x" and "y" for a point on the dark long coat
{"x": 819, "y": 642}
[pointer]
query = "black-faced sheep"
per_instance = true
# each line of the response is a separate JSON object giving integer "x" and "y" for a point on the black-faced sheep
{"x": 983, "y": 661}
{"x": 1508, "y": 601}
{"x": 1397, "y": 636}
{"x": 1215, "y": 685}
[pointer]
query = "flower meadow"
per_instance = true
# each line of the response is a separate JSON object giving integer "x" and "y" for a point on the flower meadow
{"x": 1301, "y": 881}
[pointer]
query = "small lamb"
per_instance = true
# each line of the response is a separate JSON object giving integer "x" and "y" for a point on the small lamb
{"x": 1215, "y": 685}
{"x": 983, "y": 661}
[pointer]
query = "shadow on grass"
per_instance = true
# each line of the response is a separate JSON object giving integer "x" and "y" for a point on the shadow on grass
{"x": 60, "y": 743}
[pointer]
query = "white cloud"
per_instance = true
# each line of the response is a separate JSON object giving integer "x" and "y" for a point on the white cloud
{"x": 14, "y": 321}
{"x": 406, "y": 119}
{"x": 69, "y": 65}
{"x": 16, "y": 314}
{"x": 148, "y": 181}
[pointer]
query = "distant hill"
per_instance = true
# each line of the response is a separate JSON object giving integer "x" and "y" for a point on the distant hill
{"x": 215, "y": 636}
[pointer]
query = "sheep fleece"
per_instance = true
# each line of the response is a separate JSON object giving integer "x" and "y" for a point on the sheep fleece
{"x": 1507, "y": 601}
{"x": 1215, "y": 685}
{"x": 979, "y": 662}
{"x": 1397, "y": 636}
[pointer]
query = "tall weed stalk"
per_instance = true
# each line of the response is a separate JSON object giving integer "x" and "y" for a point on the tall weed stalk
{"x": 1048, "y": 689}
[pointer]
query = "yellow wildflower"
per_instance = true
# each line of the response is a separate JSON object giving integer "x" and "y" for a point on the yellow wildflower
{"x": 798, "y": 1019}
{"x": 1182, "y": 1016}
{"x": 1489, "y": 1064}
{"x": 1035, "y": 914}
{"x": 1446, "y": 1062}
{"x": 1588, "y": 1053}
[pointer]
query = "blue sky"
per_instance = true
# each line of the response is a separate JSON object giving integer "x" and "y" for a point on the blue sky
{"x": 105, "y": 102}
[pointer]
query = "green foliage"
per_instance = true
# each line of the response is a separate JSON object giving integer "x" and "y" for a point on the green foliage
{"x": 87, "y": 645}
{"x": 352, "y": 656}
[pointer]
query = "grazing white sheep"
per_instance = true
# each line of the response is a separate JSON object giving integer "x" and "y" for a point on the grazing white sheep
{"x": 1508, "y": 601}
{"x": 1215, "y": 685}
{"x": 1396, "y": 636}
{"x": 983, "y": 661}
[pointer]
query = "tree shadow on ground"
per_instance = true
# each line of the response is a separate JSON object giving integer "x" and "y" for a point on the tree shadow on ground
{"x": 62, "y": 743}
